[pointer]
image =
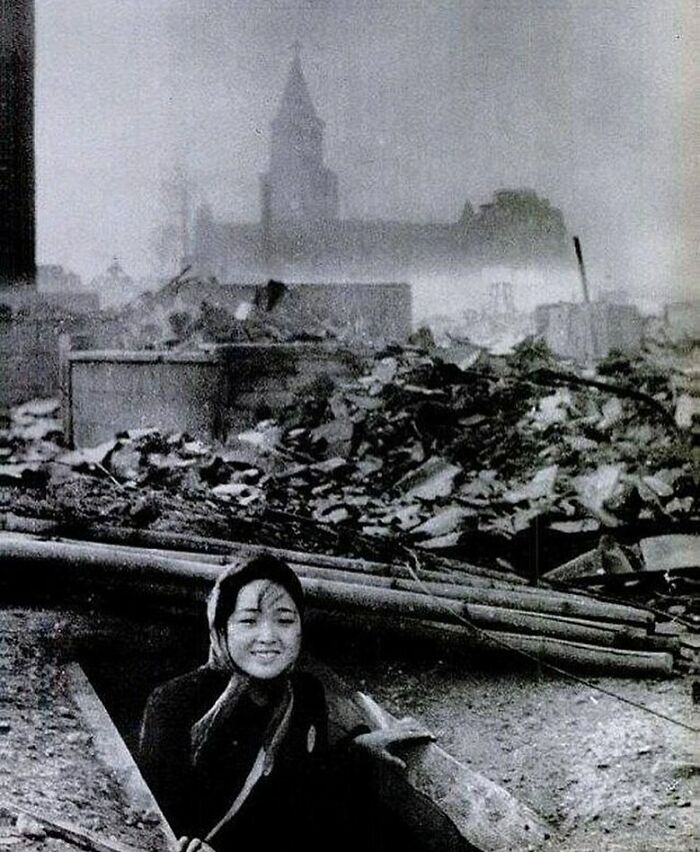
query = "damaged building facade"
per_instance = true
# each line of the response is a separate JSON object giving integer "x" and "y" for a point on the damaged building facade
{"x": 37, "y": 305}
{"x": 300, "y": 236}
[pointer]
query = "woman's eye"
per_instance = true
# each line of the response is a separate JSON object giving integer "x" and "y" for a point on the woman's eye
{"x": 286, "y": 620}
{"x": 246, "y": 621}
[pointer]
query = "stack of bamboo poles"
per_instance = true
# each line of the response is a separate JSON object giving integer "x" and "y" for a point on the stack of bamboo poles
{"x": 455, "y": 603}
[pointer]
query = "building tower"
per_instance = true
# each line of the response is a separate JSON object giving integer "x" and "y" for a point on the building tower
{"x": 298, "y": 188}
{"x": 17, "y": 225}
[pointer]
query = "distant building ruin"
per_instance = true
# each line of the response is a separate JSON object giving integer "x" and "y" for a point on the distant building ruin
{"x": 586, "y": 332}
{"x": 17, "y": 218}
{"x": 300, "y": 237}
{"x": 682, "y": 321}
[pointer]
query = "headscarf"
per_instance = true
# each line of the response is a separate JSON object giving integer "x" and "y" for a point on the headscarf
{"x": 221, "y": 603}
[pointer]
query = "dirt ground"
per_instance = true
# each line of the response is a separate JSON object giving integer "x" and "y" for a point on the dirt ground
{"x": 48, "y": 759}
{"x": 606, "y": 775}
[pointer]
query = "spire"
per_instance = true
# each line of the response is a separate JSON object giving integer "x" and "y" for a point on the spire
{"x": 298, "y": 187}
{"x": 296, "y": 104}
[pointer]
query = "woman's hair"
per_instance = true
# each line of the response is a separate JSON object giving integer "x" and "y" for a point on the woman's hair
{"x": 263, "y": 567}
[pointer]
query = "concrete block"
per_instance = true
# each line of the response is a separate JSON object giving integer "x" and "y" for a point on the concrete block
{"x": 587, "y": 332}
{"x": 682, "y": 321}
{"x": 208, "y": 393}
{"x": 109, "y": 392}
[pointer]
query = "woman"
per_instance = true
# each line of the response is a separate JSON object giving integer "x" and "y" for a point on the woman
{"x": 237, "y": 750}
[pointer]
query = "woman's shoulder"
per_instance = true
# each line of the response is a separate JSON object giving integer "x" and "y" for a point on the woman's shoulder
{"x": 309, "y": 693}
{"x": 190, "y": 688}
{"x": 305, "y": 682}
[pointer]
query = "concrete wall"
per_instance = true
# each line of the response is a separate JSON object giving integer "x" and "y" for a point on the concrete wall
{"x": 380, "y": 312}
{"x": 209, "y": 394}
{"x": 682, "y": 321}
{"x": 108, "y": 392}
{"x": 31, "y": 327}
{"x": 586, "y": 332}
{"x": 29, "y": 357}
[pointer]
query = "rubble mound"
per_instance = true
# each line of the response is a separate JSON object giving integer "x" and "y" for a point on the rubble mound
{"x": 462, "y": 461}
{"x": 421, "y": 449}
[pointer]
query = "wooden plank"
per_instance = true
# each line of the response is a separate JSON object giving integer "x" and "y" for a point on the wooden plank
{"x": 113, "y": 751}
{"x": 484, "y": 814}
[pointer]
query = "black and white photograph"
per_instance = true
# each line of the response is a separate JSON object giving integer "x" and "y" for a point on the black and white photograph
{"x": 349, "y": 425}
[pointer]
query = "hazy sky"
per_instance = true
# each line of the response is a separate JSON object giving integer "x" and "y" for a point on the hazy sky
{"x": 426, "y": 103}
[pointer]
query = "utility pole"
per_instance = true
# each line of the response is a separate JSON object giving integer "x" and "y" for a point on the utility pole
{"x": 17, "y": 216}
{"x": 582, "y": 270}
{"x": 589, "y": 320}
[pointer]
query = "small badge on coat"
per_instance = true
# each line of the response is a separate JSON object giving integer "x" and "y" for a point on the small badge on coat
{"x": 311, "y": 739}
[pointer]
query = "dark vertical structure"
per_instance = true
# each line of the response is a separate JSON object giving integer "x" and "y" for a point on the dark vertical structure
{"x": 298, "y": 188}
{"x": 17, "y": 219}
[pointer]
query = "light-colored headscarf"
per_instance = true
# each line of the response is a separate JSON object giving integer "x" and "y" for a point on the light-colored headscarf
{"x": 220, "y": 605}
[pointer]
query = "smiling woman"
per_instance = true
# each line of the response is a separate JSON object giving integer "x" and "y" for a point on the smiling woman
{"x": 263, "y": 634}
{"x": 223, "y": 743}
{"x": 237, "y": 751}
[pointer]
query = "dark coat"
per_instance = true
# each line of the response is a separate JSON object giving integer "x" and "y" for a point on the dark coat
{"x": 317, "y": 798}
{"x": 289, "y": 805}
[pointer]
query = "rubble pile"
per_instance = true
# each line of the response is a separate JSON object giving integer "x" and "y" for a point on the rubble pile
{"x": 417, "y": 451}
{"x": 31, "y": 440}
{"x": 408, "y": 465}
{"x": 171, "y": 318}
{"x": 426, "y": 451}
{"x": 138, "y": 478}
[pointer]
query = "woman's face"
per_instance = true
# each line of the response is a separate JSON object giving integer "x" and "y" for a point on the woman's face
{"x": 263, "y": 632}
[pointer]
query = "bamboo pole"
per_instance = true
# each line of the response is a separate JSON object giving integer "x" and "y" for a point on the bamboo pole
{"x": 203, "y": 544}
{"x": 450, "y": 611}
{"x": 534, "y": 602}
{"x": 96, "y": 564}
{"x": 573, "y": 602}
{"x": 632, "y": 663}
{"x": 219, "y": 552}
{"x": 137, "y": 572}
{"x": 564, "y": 651}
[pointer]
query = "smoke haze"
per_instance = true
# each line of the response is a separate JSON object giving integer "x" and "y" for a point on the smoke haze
{"x": 426, "y": 104}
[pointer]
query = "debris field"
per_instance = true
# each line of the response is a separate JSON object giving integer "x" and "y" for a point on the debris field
{"x": 409, "y": 500}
